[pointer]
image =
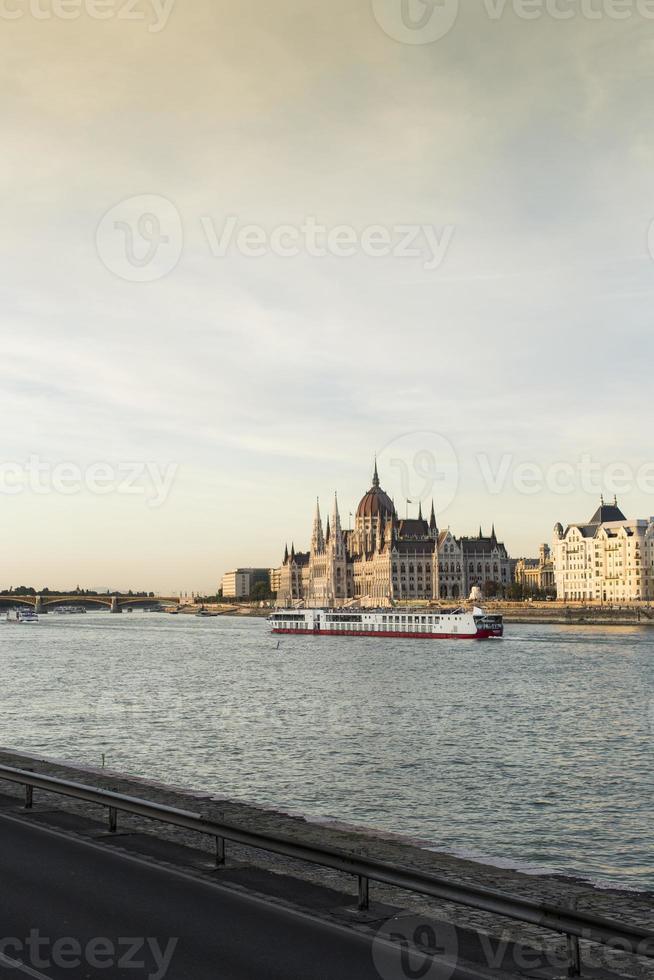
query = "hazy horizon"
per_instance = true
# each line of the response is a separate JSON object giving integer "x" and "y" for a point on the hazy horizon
{"x": 247, "y": 249}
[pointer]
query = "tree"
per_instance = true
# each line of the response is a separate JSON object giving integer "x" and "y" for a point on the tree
{"x": 260, "y": 591}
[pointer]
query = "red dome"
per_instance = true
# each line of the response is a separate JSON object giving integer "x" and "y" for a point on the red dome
{"x": 376, "y": 503}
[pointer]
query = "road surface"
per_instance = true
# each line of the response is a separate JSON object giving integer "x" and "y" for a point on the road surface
{"x": 71, "y": 908}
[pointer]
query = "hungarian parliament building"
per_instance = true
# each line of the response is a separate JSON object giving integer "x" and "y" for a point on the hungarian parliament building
{"x": 385, "y": 559}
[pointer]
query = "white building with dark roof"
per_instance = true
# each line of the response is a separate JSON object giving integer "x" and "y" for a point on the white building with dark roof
{"x": 608, "y": 559}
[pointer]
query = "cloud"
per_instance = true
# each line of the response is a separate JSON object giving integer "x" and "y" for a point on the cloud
{"x": 270, "y": 380}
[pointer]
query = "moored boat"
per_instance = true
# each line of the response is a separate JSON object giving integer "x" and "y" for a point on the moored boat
{"x": 19, "y": 616}
{"x": 424, "y": 624}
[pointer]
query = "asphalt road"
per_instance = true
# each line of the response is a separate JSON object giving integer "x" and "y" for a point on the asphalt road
{"x": 69, "y": 909}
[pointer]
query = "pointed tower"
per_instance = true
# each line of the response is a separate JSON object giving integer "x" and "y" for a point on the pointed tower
{"x": 420, "y": 510}
{"x": 433, "y": 526}
{"x": 375, "y": 475}
{"x": 493, "y": 537}
{"x": 337, "y": 561}
{"x": 317, "y": 538}
{"x": 336, "y": 533}
{"x": 381, "y": 537}
{"x": 286, "y": 554}
{"x": 481, "y": 534}
{"x": 327, "y": 532}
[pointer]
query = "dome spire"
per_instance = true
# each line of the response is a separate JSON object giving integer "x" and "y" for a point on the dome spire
{"x": 375, "y": 475}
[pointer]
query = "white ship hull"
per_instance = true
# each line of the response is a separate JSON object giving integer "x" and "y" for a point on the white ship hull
{"x": 21, "y": 616}
{"x": 419, "y": 624}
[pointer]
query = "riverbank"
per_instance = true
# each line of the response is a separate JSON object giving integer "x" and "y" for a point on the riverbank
{"x": 634, "y": 907}
{"x": 560, "y": 614}
{"x": 538, "y": 613}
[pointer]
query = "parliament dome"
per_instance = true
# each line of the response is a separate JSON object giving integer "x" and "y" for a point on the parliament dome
{"x": 375, "y": 503}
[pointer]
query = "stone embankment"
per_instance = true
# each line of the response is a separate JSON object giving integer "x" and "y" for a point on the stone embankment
{"x": 632, "y": 907}
{"x": 563, "y": 614}
{"x": 543, "y": 613}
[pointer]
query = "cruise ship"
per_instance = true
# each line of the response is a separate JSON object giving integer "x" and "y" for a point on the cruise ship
{"x": 415, "y": 624}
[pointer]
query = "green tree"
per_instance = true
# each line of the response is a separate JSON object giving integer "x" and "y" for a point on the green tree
{"x": 260, "y": 591}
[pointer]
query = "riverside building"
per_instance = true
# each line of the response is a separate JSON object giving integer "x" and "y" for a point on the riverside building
{"x": 239, "y": 583}
{"x": 608, "y": 559}
{"x": 536, "y": 574}
{"x": 385, "y": 558}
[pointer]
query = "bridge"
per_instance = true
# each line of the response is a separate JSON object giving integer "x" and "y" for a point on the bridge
{"x": 46, "y": 602}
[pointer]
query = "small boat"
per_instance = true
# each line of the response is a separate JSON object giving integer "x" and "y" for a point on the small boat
{"x": 19, "y": 616}
{"x": 412, "y": 624}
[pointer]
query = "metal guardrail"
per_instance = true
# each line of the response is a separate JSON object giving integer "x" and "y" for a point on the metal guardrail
{"x": 572, "y": 923}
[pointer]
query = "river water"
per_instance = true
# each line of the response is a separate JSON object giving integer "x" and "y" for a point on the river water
{"x": 534, "y": 751}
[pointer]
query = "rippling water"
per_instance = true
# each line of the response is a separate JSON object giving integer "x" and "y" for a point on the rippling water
{"x": 536, "y": 750}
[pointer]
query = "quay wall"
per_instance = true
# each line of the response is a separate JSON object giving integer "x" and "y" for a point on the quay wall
{"x": 554, "y": 613}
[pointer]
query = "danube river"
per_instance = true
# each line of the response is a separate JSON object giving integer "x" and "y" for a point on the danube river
{"x": 537, "y": 750}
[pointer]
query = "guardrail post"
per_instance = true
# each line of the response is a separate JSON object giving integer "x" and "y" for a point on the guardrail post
{"x": 113, "y": 819}
{"x": 364, "y": 893}
{"x": 574, "y": 957}
{"x": 574, "y": 953}
{"x": 29, "y": 794}
{"x": 220, "y": 851}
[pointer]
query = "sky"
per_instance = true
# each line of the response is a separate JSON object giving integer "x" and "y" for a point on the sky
{"x": 248, "y": 247}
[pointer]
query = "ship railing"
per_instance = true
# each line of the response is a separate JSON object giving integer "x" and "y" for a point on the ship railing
{"x": 574, "y": 924}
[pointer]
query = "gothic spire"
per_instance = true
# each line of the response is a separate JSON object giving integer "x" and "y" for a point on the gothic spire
{"x": 335, "y": 532}
{"x": 420, "y": 510}
{"x": 382, "y": 533}
{"x": 327, "y": 532}
{"x": 286, "y": 554}
{"x": 375, "y": 475}
{"x": 317, "y": 538}
{"x": 432, "y": 519}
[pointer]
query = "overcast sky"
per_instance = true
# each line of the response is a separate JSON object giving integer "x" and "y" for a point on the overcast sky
{"x": 512, "y": 158}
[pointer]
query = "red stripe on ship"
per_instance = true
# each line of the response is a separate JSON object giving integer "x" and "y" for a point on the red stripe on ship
{"x": 481, "y": 635}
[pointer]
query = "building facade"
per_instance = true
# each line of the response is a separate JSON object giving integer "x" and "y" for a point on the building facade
{"x": 608, "y": 559}
{"x": 536, "y": 574}
{"x": 384, "y": 559}
{"x": 239, "y": 583}
{"x": 275, "y": 579}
